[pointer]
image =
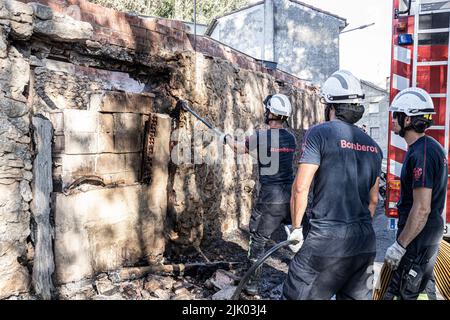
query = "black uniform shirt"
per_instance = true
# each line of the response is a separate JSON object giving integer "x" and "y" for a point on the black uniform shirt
{"x": 425, "y": 166}
{"x": 275, "y": 152}
{"x": 349, "y": 164}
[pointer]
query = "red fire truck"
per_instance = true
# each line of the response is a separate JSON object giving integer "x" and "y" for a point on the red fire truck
{"x": 420, "y": 47}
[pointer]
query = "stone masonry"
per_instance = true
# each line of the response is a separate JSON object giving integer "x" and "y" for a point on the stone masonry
{"x": 102, "y": 78}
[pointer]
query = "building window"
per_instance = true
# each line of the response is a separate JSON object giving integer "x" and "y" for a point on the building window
{"x": 374, "y": 108}
{"x": 375, "y": 132}
{"x": 374, "y": 120}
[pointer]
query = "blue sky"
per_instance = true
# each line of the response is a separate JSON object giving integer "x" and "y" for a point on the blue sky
{"x": 365, "y": 52}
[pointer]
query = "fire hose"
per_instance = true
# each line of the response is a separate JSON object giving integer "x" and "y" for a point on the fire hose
{"x": 441, "y": 272}
{"x": 257, "y": 264}
{"x": 183, "y": 105}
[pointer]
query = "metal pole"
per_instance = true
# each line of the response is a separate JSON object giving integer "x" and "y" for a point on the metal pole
{"x": 360, "y": 27}
{"x": 195, "y": 25}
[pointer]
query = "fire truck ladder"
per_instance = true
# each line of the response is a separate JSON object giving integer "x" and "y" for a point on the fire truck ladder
{"x": 423, "y": 8}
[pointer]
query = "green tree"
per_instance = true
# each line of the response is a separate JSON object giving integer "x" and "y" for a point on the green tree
{"x": 176, "y": 9}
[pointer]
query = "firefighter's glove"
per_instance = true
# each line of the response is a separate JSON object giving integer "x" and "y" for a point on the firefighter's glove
{"x": 295, "y": 235}
{"x": 394, "y": 255}
{"x": 226, "y": 138}
{"x": 222, "y": 136}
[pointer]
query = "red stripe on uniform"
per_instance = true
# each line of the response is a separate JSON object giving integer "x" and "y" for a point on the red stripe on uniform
{"x": 424, "y": 163}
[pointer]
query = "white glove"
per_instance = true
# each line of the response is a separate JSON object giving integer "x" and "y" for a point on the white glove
{"x": 222, "y": 136}
{"x": 225, "y": 138}
{"x": 296, "y": 234}
{"x": 394, "y": 255}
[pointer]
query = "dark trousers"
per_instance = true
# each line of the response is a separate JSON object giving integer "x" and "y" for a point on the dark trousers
{"x": 430, "y": 289}
{"x": 413, "y": 275}
{"x": 313, "y": 277}
{"x": 271, "y": 209}
{"x": 334, "y": 260}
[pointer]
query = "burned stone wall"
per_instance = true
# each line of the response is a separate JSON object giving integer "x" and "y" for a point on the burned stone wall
{"x": 103, "y": 79}
{"x": 15, "y": 151}
{"x": 231, "y": 98}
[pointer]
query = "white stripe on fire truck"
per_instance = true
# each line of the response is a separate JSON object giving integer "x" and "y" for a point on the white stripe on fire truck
{"x": 438, "y": 95}
{"x": 436, "y": 128}
{"x": 438, "y": 30}
{"x": 431, "y": 63}
{"x": 395, "y": 168}
{"x": 399, "y": 82}
{"x": 398, "y": 142}
{"x": 402, "y": 54}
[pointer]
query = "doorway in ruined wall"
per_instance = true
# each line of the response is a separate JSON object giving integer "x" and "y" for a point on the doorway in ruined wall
{"x": 109, "y": 167}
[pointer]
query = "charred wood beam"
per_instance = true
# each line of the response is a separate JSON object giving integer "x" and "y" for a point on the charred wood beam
{"x": 43, "y": 266}
{"x": 133, "y": 273}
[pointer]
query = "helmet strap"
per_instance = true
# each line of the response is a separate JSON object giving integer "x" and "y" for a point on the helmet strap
{"x": 327, "y": 112}
{"x": 266, "y": 109}
{"x": 420, "y": 124}
{"x": 401, "y": 121}
{"x": 284, "y": 119}
{"x": 266, "y": 116}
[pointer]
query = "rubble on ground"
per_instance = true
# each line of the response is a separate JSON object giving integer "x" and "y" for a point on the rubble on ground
{"x": 203, "y": 283}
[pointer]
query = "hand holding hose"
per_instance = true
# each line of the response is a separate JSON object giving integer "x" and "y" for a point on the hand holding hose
{"x": 294, "y": 235}
{"x": 222, "y": 136}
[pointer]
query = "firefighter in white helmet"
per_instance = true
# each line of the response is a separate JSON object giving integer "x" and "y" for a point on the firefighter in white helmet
{"x": 344, "y": 164}
{"x": 274, "y": 150}
{"x": 423, "y": 192}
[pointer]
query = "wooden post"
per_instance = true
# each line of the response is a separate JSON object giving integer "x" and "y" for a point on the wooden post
{"x": 42, "y": 186}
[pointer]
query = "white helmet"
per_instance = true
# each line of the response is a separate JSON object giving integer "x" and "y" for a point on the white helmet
{"x": 342, "y": 87}
{"x": 278, "y": 104}
{"x": 413, "y": 102}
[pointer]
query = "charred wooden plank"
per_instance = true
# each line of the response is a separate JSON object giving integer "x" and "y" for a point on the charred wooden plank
{"x": 43, "y": 266}
{"x": 133, "y": 273}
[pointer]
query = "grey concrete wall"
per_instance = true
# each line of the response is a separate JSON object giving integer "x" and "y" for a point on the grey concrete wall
{"x": 303, "y": 41}
{"x": 242, "y": 30}
{"x": 306, "y": 41}
{"x": 376, "y": 119}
